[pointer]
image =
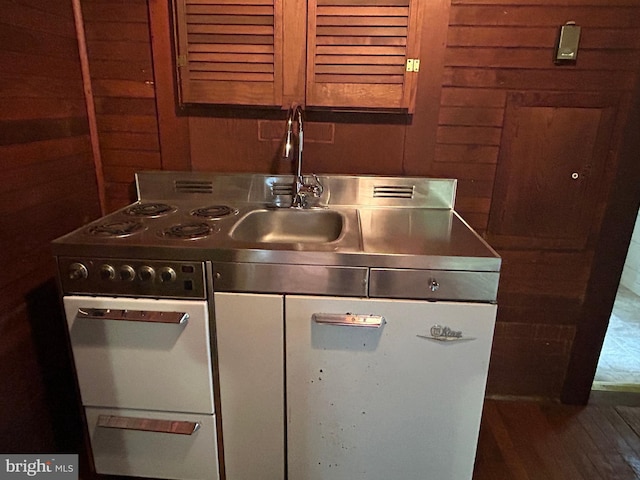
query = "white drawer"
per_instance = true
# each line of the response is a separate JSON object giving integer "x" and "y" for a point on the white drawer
{"x": 140, "y": 364}
{"x": 140, "y": 453}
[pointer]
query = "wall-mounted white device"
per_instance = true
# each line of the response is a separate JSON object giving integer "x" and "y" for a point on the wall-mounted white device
{"x": 567, "y": 48}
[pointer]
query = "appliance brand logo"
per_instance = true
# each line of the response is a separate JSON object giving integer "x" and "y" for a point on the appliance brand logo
{"x": 54, "y": 467}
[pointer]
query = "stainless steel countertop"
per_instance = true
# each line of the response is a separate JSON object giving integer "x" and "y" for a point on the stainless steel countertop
{"x": 400, "y": 237}
{"x": 423, "y": 232}
{"x": 417, "y": 238}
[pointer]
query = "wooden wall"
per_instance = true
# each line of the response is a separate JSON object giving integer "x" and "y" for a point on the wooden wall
{"x": 497, "y": 53}
{"x": 47, "y": 188}
{"x": 118, "y": 44}
{"x": 487, "y": 75}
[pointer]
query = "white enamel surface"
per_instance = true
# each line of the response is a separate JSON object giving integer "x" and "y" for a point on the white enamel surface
{"x": 142, "y": 365}
{"x": 152, "y": 454}
{"x": 249, "y": 330}
{"x": 375, "y": 404}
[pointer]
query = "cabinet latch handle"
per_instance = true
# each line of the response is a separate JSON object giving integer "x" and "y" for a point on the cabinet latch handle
{"x": 148, "y": 424}
{"x": 133, "y": 315}
{"x": 349, "y": 319}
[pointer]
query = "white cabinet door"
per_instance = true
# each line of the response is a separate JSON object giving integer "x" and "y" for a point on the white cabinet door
{"x": 380, "y": 403}
{"x": 250, "y": 342}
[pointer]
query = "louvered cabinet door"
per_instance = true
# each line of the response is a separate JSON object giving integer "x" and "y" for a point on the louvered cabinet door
{"x": 229, "y": 51}
{"x": 357, "y": 52}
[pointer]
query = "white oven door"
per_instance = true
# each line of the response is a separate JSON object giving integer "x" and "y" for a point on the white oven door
{"x": 142, "y": 353}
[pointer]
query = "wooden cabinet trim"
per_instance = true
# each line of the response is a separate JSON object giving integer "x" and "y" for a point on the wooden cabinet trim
{"x": 173, "y": 130}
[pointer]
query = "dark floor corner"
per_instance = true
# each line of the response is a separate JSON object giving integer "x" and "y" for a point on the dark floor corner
{"x": 551, "y": 441}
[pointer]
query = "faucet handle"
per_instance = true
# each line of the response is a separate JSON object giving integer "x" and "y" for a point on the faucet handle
{"x": 318, "y": 188}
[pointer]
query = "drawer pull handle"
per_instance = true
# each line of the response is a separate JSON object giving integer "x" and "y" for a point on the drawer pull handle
{"x": 148, "y": 424}
{"x": 133, "y": 315}
{"x": 349, "y": 319}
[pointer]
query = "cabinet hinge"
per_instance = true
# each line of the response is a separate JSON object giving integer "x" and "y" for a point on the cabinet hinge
{"x": 182, "y": 60}
{"x": 413, "y": 64}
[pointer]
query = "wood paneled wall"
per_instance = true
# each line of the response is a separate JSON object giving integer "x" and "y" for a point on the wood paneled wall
{"x": 501, "y": 46}
{"x": 497, "y": 50}
{"x": 121, "y": 66}
{"x": 47, "y": 188}
{"x": 484, "y": 56}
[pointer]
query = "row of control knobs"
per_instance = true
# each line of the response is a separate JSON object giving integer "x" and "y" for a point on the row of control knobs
{"x": 78, "y": 271}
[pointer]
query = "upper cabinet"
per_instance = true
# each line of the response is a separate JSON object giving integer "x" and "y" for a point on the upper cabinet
{"x": 357, "y": 53}
{"x": 325, "y": 53}
{"x": 229, "y": 51}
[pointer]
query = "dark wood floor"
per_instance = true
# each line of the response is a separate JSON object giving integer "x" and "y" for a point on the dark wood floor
{"x": 523, "y": 440}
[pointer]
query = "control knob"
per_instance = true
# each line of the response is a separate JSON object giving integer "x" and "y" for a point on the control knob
{"x": 146, "y": 273}
{"x": 77, "y": 271}
{"x": 127, "y": 273}
{"x": 107, "y": 272}
{"x": 167, "y": 274}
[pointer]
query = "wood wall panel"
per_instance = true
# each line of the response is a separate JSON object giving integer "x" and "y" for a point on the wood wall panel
{"x": 22, "y": 64}
{"x": 38, "y": 22}
{"x": 119, "y": 32}
{"x": 471, "y": 116}
{"x": 536, "y": 14}
{"x": 19, "y": 108}
{"x": 470, "y": 97}
{"x": 121, "y": 66}
{"x": 494, "y": 48}
{"x": 532, "y": 79}
{"x": 47, "y": 188}
{"x": 39, "y": 129}
{"x": 20, "y": 39}
{"x": 467, "y": 135}
{"x": 117, "y": 11}
{"x": 39, "y": 151}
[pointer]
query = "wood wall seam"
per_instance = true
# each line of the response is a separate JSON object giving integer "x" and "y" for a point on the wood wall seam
{"x": 91, "y": 110}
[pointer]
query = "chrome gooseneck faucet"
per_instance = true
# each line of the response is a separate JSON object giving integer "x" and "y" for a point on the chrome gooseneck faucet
{"x": 300, "y": 189}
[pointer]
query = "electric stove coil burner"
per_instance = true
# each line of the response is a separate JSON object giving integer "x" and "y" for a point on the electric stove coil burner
{"x": 115, "y": 229}
{"x": 150, "y": 210}
{"x": 213, "y": 212}
{"x": 188, "y": 231}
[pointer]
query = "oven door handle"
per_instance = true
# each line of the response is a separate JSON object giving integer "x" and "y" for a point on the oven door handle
{"x": 349, "y": 319}
{"x": 133, "y": 315}
{"x": 155, "y": 425}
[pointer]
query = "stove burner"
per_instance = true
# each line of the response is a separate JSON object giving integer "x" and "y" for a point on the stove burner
{"x": 214, "y": 211}
{"x": 115, "y": 229}
{"x": 188, "y": 231}
{"x": 151, "y": 210}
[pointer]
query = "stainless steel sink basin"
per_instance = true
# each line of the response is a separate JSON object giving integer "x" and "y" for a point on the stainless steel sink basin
{"x": 289, "y": 226}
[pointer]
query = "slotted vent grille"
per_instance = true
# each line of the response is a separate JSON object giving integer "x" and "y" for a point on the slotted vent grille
{"x": 393, "y": 191}
{"x": 193, "y": 186}
{"x": 361, "y": 41}
{"x": 278, "y": 189}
